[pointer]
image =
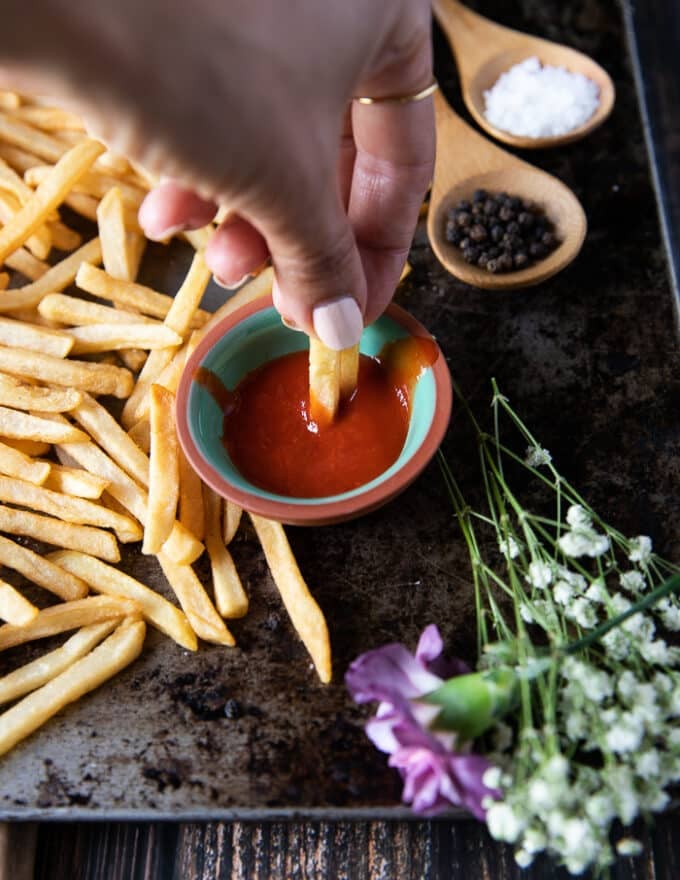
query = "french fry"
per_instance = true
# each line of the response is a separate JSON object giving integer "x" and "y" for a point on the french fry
{"x": 4, "y": 280}
{"x": 20, "y": 160}
{"x": 324, "y": 382}
{"x": 31, "y": 448}
{"x": 56, "y": 278}
{"x": 191, "y": 509}
{"x": 40, "y": 242}
{"x": 55, "y": 531}
{"x": 105, "y": 579}
{"x": 24, "y": 426}
{"x": 163, "y": 471}
{"x": 38, "y": 672}
{"x": 100, "y": 337}
{"x": 48, "y": 195}
{"x": 75, "y": 481}
{"x": 26, "y": 264}
{"x": 63, "y": 237}
{"x": 14, "y": 608}
{"x": 140, "y": 432}
{"x": 82, "y": 375}
{"x": 349, "y": 371}
{"x": 302, "y": 609}
{"x": 112, "y": 234}
{"x": 231, "y": 520}
{"x": 230, "y": 597}
{"x": 259, "y": 286}
{"x": 26, "y": 137}
{"x": 13, "y": 183}
{"x": 92, "y": 184}
{"x": 19, "y": 334}
{"x": 67, "y": 616}
{"x": 82, "y": 204}
{"x": 81, "y": 312}
{"x": 195, "y": 602}
{"x": 49, "y": 118}
{"x": 67, "y": 508}
{"x": 112, "y": 655}
{"x": 36, "y": 397}
{"x": 39, "y": 570}
{"x": 14, "y": 463}
{"x": 106, "y": 431}
{"x": 129, "y": 294}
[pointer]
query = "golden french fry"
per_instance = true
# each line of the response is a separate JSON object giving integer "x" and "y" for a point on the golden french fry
{"x": 59, "y": 533}
{"x": 20, "y": 160}
{"x": 140, "y": 432}
{"x": 31, "y": 448}
{"x": 9, "y": 100}
{"x": 4, "y": 280}
{"x": 56, "y": 278}
{"x": 100, "y": 337}
{"x": 135, "y": 245}
{"x": 12, "y": 182}
{"x": 92, "y": 184}
{"x": 15, "y": 464}
{"x": 63, "y": 237}
{"x": 19, "y": 334}
{"x": 105, "y": 430}
{"x": 113, "y": 235}
{"x": 82, "y": 312}
{"x": 182, "y": 547}
{"x": 83, "y": 375}
{"x": 303, "y": 610}
{"x": 22, "y": 425}
{"x": 39, "y": 243}
{"x": 41, "y": 571}
{"x": 67, "y": 508}
{"x": 67, "y": 616}
{"x": 324, "y": 382}
{"x": 230, "y": 597}
{"x": 112, "y": 655}
{"x": 75, "y": 481}
{"x": 14, "y": 608}
{"x": 48, "y": 195}
{"x": 82, "y": 204}
{"x": 36, "y": 397}
{"x": 163, "y": 471}
{"x": 191, "y": 510}
{"x": 349, "y": 371}
{"x": 104, "y": 578}
{"x": 129, "y": 294}
{"x": 204, "y": 619}
{"x": 26, "y": 137}
{"x": 36, "y": 673}
{"x": 49, "y": 118}
{"x": 259, "y": 286}
{"x": 231, "y": 520}
{"x": 26, "y": 264}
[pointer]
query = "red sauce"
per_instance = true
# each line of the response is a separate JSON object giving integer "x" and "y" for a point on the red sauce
{"x": 274, "y": 443}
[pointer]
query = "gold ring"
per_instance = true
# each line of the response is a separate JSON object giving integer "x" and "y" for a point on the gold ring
{"x": 402, "y": 99}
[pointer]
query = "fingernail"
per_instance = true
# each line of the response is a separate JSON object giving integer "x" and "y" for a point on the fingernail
{"x": 163, "y": 234}
{"x": 290, "y": 324}
{"x": 338, "y": 322}
{"x": 232, "y": 285}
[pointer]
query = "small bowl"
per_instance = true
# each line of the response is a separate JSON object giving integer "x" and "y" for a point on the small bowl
{"x": 254, "y": 335}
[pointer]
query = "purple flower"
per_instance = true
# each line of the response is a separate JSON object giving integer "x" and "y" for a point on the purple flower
{"x": 434, "y": 775}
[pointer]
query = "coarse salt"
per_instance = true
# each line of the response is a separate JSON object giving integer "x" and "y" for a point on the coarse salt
{"x": 533, "y": 100}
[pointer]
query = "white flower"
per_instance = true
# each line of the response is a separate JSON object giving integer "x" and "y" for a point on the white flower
{"x": 556, "y": 770}
{"x": 655, "y": 652}
{"x": 503, "y": 823}
{"x": 663, "y": 683}
{"x": 647, "y": 764}
{"x": 526, "y": 613}
{"x": 522, "y": 857}
{"x": 540, "y": 794}
{"x": 578, "y": 517}
{"x": 492, "y": 777}
{"x": 583, "y": 542}
{"x": 628, "y": 846}
{"x": 619, "y": 604}
{"x": 670, "y": 615}
{"x": 600, "y": 808}
{"x": 563, "y": 592}
{"x": 539, "y": 575}
{"x": 597, "y": 686}
{"x": 627, "y": 685}
{"x": 537, "y": 456}
{"x": 583, "y": 613}
{"x": 577, "y": 581}
{"x": 508, "y": 547}
{"x": 577, "y": 725}
{"x": 633, "y": 581}
{"x": 640, "y": 549}
{"x": 625, "y": 735}
{"x": 621, "y": 783}
{"x": 616, "y": 644}
{"x": 640, "y": 627}
{"x": 597, "y": 591}
{"x": 534, "y": 840}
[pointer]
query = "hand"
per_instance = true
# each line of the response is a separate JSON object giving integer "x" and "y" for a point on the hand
{"x": 248, "y": 105}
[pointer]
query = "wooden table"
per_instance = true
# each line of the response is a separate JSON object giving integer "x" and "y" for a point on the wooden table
{"x": 461, "y": 850}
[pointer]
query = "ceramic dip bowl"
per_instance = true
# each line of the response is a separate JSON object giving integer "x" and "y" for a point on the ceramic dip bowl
{"x": 254, "y": 335}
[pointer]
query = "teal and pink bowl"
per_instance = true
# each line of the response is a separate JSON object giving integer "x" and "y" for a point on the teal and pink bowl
{"x": 253, "y": 335}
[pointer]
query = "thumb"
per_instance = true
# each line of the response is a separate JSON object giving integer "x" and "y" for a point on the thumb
{"x": 320, "y": 285}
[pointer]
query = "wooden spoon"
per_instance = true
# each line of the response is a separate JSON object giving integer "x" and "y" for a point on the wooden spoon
{"x": 484, "y": 50}
{"x": 467, "y": 161}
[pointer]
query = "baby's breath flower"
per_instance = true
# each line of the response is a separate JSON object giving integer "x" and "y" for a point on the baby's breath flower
{"x": 563, "y": 592}
{"x": 578, "y": 517}
{"x": 583, "y": 542}
{"x": 647, "y": 764}
{"x": 523, "y": 858}
{"x": 633, "y": 581}
{"x": 616, "y": 644}
{"x": 626, "y": 685}
{"x": 503, "y": 822}
{"x": 508, "y": 547}
{"x": 670, "y": 614}
{"x": 628, "y": 846}
{"x": 539, "y": 574}
{"x": 625, "y": 731}
{"x": 492, "y": 777}
{"x": 600, "y": 808}
{"x": 655, "y": 652}
{"x": 597, "y": 592}
{"x": 640, "y": 549}
{"x": 583, "y": 613}
{"x": 537, "y": 456}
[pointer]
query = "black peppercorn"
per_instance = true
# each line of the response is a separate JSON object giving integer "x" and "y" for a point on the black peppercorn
{"x": 490, "y": 207}
{"x": 480, "y": 195}
{"x": 497, "y": 233}
{"x": 463, "y": 218}
{"x": 478, "y": 233}
{"x": 506, "y": 214}
{"x": 521, "y": 260}
{"x": 471, "y": 254}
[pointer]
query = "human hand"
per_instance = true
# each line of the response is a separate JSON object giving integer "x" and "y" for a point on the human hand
{"x": 248, "y": 106}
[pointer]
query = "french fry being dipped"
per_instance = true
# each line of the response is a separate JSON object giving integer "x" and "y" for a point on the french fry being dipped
{"x": 332, "y": 378}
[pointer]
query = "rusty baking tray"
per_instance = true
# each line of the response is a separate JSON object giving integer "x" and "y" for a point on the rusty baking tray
{"x": 590, "y": 359}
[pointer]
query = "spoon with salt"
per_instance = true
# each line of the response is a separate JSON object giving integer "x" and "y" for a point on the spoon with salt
{"x": 484, "y": 50}
{"x": 467, "y": 161}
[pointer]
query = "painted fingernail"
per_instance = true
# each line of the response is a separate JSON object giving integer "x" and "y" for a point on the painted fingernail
{"x": 290, "y": 324}
{"x": 338, "y": 322}
{"x": 162, "y": 234}
{"x": 232, "y": 285}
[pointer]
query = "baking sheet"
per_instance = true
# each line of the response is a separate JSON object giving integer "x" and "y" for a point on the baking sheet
{"x": 590, "y": 360}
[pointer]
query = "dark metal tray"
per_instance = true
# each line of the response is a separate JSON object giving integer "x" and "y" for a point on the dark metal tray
{"x": 590, "y": 359}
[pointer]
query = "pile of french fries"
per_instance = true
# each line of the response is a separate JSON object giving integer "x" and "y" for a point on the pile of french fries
{"x": 76, "y": 329}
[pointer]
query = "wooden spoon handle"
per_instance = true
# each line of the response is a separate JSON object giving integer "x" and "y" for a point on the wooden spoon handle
{"x": 473, "y": 38}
